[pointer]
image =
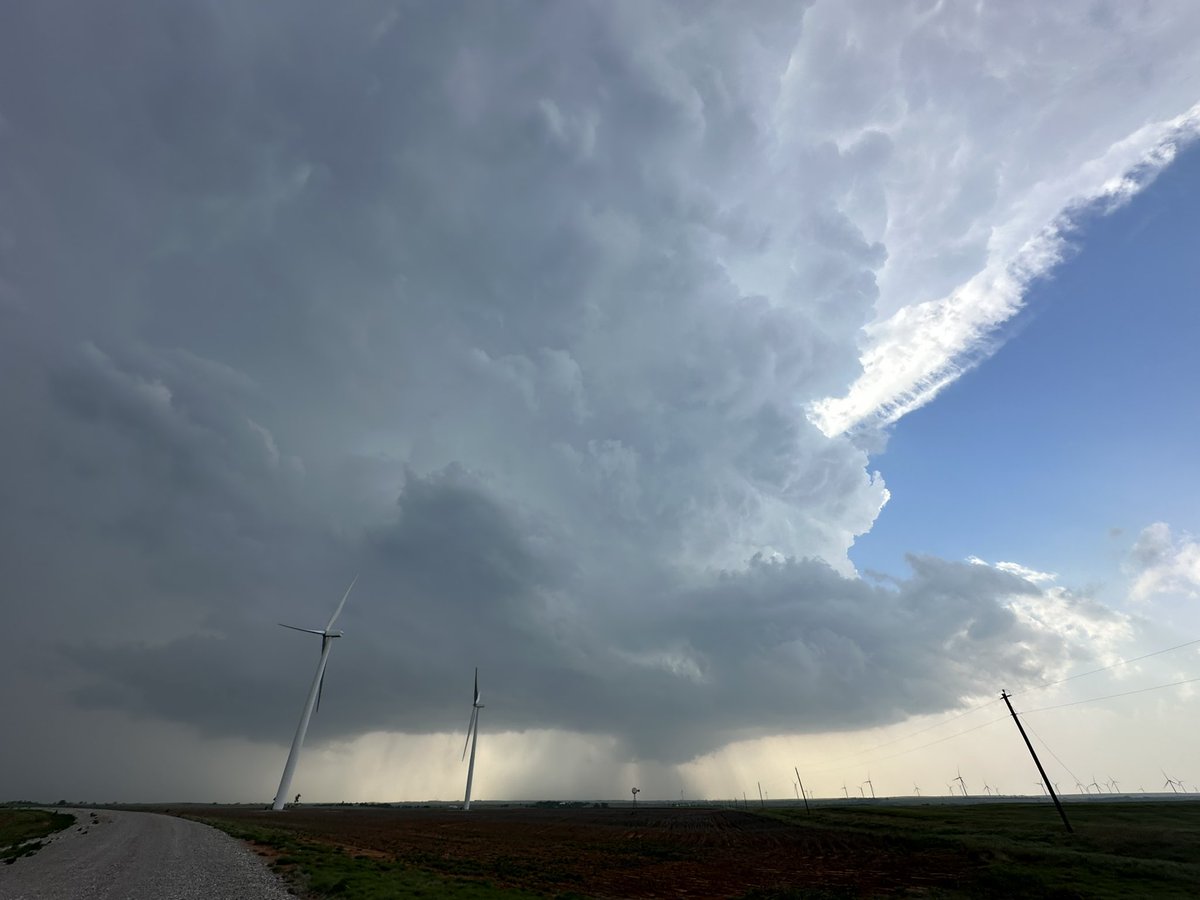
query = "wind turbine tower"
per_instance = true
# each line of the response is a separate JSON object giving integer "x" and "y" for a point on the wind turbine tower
{"x": 962, "y": 784}
{"x": 314, "y": 698}
{"x": 472, "y": 739}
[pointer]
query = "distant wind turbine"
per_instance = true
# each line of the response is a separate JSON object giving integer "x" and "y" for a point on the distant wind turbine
{"x": 1112, "y": 783}
{"x": 1171, "y": 782}
{"x": 870, "y": 785}
{"x": 1042, "y": 786}
{"x": 314, "y": 698}
{"x": 1082, "y": 789}
{"x": 917, "y": 789}
{"x": 962, "y": 784}
{"x": 472, "y": 739}
{"x": 844, "y": 791}
{"x": 1099, "y": 790}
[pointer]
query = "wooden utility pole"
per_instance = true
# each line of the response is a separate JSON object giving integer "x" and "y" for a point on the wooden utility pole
{"x": 1045, "y": 779}
{"x": 796, "y": 769}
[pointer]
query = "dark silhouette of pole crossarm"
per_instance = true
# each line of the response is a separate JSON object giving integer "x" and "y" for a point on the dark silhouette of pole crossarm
{"x": 1045, "y": 779}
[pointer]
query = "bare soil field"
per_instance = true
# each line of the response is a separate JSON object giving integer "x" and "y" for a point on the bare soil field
{"x": 1119, "y": 850}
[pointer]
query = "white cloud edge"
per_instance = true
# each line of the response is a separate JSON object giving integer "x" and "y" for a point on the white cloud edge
{"x": 911, "y": 356}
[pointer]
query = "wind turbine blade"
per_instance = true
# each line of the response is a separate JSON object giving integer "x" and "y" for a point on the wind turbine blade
{"x": 470, "y": 728}
{"x": 476, "y": 700}
{"x": 305, "y": 630}
{"x": 337, "y": 612}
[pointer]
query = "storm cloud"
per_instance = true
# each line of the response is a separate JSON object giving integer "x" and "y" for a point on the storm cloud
{"x": 514, "y": 309}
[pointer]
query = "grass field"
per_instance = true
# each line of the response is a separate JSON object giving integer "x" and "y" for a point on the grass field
{"x": 20, "y": 830}
{"x": 993, "y": 850}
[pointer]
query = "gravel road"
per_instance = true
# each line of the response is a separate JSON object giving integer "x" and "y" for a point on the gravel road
{"x": 107, "y": 855}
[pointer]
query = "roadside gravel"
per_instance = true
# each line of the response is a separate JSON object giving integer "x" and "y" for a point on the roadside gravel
{"x": 107, "y": 855}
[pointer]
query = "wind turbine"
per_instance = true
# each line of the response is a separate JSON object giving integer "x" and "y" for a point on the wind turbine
{"x": 844, "y": 791}
{"x": 917, "y": 789}
{"x": 987, "y": 789}
{"x": 314, "y": 698}
{"x": 869, "y": 784}
{"x": 962, "y": 784}
{"x": 1096, "y": 786}
{"x": 472, "y": 739}
{"x": 1082, "y": 789}
{"x": 1170, "y": 782}
{"x": 1112, "y": 783}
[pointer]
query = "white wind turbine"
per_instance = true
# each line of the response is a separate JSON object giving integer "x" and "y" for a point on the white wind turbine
{"x": 472, "y": 739}
{"x": 314, "y": 697}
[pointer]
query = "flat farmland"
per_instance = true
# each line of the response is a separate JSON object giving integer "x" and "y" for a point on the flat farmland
{"x": 1119, "y": 850}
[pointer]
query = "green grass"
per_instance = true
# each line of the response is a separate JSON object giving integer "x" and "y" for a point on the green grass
{"x": 320, "y": 870}
{"x": 1118, "y": 850}
{"x": 21, "y": 830}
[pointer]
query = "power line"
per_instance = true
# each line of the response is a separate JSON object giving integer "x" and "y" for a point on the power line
{"x": 1157, "y": 687}
{"x": 941, "y": 740}
{"x": 889, "y": 742}
{"x": 1122, "y": 662}
{"x": 851, "y": 757}
{"x": 1042, "y": 741}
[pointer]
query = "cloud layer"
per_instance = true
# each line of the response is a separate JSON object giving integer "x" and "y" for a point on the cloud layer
{"x": 518, "y": 310}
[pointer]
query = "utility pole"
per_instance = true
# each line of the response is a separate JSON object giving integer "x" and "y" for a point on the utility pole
{"x": 796, "y": 769}
{"x": 1045, "y": 778}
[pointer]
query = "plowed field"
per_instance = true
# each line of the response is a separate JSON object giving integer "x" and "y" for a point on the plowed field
{"x": 619, "y": 853}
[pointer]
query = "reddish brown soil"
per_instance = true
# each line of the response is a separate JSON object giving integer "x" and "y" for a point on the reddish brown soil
{"x": 618, "y": 853}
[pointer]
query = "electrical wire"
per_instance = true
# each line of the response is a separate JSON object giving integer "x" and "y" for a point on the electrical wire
{"x": 1049, "y": 750}
{"x": 913, "y": 734}
{"x": 941, "y": 740}
{"x": 1122, "y": 662}
{"x": 1156, "y": 687}
{"x": 853, "y": 758}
